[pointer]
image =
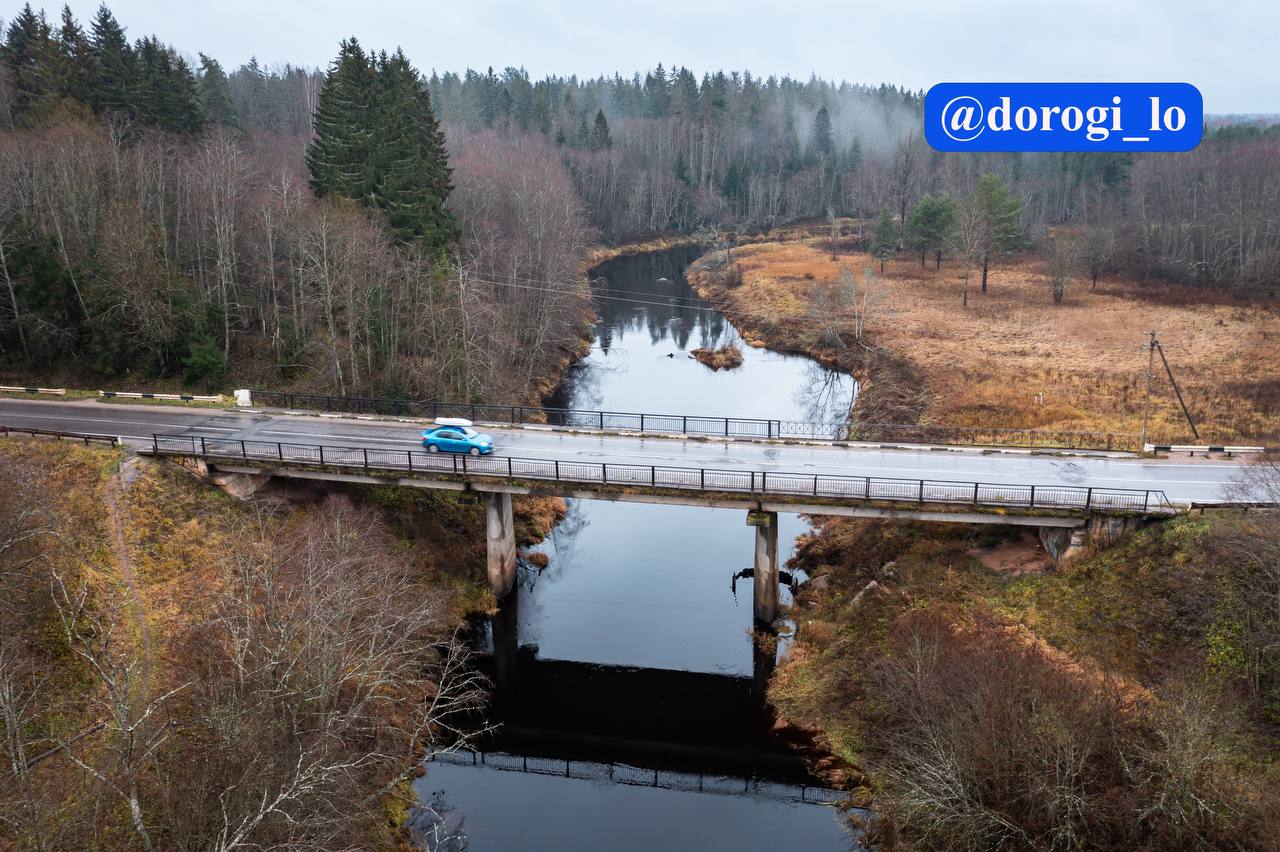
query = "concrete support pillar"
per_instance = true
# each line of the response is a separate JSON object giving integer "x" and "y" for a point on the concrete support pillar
{"x": 500, "y": 541}
{"x": 765, "y": 582}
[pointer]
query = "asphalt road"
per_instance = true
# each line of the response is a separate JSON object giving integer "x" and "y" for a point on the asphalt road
{"x": 1183, "y": 479}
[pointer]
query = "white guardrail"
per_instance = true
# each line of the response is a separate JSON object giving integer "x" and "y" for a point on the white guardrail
{"x": 1205, "y": 449}
{"x": 15, "y": 389}
{"x": 185, "y": 397}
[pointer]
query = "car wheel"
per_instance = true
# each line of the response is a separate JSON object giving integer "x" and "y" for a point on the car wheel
{"x": 432, "y": 448}
{"x": 475, "y": 451}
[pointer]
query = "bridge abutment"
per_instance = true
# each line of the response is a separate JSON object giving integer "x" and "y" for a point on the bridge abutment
{"x": 500, "y": 542}
{"x": 1065, "y": 543}
{"x": 765, "y": 578}
{"x": 241, "y": 486}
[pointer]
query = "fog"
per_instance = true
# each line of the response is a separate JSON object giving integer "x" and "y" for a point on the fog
{"x": 1224, "y": 49}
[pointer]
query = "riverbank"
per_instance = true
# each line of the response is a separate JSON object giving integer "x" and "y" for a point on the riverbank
{"x": 1012, "y": 358}
{"x": 141, "y": 602}
{"x": 961, "y": 685}
{"x": 977, "y": 698}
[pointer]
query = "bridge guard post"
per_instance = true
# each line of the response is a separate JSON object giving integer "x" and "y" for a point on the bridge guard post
{"x": 765, "y": 581}
{"x": 500, "y": 541}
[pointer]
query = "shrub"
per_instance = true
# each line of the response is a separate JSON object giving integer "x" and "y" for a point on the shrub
{"x": 204, "y": 365}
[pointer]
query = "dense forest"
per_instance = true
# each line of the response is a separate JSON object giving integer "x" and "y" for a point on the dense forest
{"x": 371, "y": 229}
{"x": 161, "y": 221}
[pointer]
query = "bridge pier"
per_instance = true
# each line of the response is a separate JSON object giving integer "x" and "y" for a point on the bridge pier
{"x": 500, "y": 542}
{"x": 765, "y": 578}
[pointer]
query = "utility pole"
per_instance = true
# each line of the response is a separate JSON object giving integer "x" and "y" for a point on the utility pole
{"x": 1153, "y": 347}
{"x": 1146, "y": 408}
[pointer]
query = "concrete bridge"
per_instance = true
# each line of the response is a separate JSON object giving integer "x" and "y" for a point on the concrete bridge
{"x": 1067, "y": 496}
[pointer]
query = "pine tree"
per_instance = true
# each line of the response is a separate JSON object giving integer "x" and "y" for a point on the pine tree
{"x": 884, "y": 242}
{"x": 928, "y": 225}
{"x": 378, "y": 143}
{"x": 657, "y": 93}
{"x": 339, "y": 153}
{"x": 411, "y": 174}
{"x": 215, "y": 95}
{"x": 75, "y": 72}
{"x": 438, "y": 226}
{"x": 998, "y": 211}
{"x": 599, "y": 138}
{"x": 822, "y": 142}
{"x": 165, "y": 92}
{"x": 25, "y": 52}
{"x": 115, "y": 62}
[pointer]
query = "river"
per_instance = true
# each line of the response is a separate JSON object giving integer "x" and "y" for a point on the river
{"x": 628, "y": 686}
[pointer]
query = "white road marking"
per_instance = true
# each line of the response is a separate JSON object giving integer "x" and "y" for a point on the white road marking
{"x": 122, "y": 422}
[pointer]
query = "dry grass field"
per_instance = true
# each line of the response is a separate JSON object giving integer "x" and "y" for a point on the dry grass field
{"x": 1014, "y": 359}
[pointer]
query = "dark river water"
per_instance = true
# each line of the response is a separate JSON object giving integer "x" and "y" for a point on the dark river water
{"x": 628, "y": 687}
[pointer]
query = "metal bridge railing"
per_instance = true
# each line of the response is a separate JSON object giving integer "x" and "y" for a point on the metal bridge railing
{"x": 53, "y": 433}
{"x": 690, "y": 424}
{"x": 756, "y": 483}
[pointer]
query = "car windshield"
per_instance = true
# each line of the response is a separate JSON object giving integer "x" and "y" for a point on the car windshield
{"x": 470, "y": 433}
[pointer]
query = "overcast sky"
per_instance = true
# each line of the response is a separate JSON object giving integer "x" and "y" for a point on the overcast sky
{"x": 1226, "y": 48}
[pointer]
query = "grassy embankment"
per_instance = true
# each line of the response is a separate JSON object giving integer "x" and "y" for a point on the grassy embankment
{"x": 155, "y": 551}
{"x": 1012, "y": 358}
{"x": 978, "y": 701}
{"x": 975, "y": 697}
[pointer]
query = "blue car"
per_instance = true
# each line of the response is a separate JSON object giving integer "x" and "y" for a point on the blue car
{"x": 455, "y": 435}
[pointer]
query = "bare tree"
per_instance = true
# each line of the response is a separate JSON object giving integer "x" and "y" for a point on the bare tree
{"x": 324, "y": 669}
{"x": 1062, "y": 258}
{"x": 908, "y": 161}
{"x": 966, "y": 240}
{"x": 1098, "y": 248}
{"x": 133, "y": 721}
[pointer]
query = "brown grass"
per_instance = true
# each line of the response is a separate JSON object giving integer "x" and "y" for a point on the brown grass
{"x": 727, "y": 357}
{"x": 1014, "y": 359}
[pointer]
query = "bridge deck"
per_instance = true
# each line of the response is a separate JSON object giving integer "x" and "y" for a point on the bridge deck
{"x": 695, "y": 486}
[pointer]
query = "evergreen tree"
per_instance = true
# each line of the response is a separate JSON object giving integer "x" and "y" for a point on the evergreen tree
{"x": 25, "y": 52}
{"x": 928, "y": 225}
{"x": 377, "y": 142}
{"x": 165, "y": 92}
{"x": 215, "y": 95}
{"x": 822, "y": 142}
{"x": 657, "y": 93}
{"x": 411, "y": 173}
{"x": 998, "y": 211}
{"x": 584, "y": 134}
{"x": 437, "y": 223}
{"x": 884, "y": 242}
{"x": 599, "y": 138}
{"x": 338, "y": 156}
{"x": 792, "y": 142}
{"x": 115, "y": 63}
{"x": 74, "y": 73}
{"x": 682, "y": 169}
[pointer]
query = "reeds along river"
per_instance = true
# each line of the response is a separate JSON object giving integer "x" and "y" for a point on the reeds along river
{"x": 628, "y": 687}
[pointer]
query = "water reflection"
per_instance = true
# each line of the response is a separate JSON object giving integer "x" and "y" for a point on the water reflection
{"x": 640, "y": 360}
{"x": 633, "y": 647}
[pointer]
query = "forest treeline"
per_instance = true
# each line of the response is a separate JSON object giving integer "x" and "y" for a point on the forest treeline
{"x": 361, "y": 258}
{"x": 373, "y": 229}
